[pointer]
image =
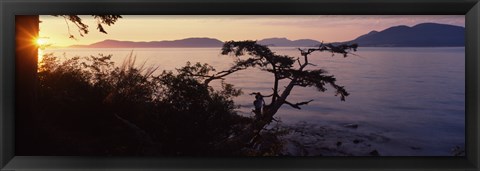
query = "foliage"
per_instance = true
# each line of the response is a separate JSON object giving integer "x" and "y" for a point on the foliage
{"x": 100, "y": 109}
{"x": 91, "y": 103}
{"x": 83, "y": 28}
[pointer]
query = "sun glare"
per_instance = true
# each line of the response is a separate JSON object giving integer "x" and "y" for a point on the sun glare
{"x": 41, "y": 41}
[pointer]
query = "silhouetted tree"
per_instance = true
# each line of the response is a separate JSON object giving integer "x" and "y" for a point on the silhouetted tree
{"x": 282, "y": 67}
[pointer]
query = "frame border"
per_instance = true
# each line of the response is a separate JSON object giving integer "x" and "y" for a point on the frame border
{"x": 10, "y": 8}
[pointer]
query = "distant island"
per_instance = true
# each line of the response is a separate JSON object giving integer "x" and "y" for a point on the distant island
{"x": 189, "y": 42}
{"x": 284, "y": 42}
{"x": 421, "y": 35}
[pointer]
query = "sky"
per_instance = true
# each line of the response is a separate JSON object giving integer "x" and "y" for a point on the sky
{"x": 327, "y": 28}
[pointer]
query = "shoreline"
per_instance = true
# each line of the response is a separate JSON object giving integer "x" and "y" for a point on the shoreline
{"x": 305, "y": 139}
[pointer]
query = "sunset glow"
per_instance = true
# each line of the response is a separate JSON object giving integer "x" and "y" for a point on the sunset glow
{"x": 41, "y": 42}
{"x": 327, "y": 28}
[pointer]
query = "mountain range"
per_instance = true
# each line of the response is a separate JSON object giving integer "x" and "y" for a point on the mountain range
{"x": 188, "y": 42}
{"x": 421, "y": 35}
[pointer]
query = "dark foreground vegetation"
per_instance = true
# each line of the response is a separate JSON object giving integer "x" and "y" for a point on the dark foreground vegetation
{"x": 89, "y": 106}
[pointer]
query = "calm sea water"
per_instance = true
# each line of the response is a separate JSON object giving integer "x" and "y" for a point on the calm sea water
{"x": 414, "y": 96}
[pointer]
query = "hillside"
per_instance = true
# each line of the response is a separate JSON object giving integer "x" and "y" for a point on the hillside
{"x": 284, "y": 42}
{"x": 188, "y": 42}
{"x": 421, "y": 35}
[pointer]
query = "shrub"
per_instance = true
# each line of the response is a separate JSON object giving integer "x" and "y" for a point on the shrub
{"x": 89, "y": 106}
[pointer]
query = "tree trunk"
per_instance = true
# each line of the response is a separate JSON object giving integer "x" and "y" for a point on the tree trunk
{"x": 26, "y": 49}
{"x": 254, "y": 128}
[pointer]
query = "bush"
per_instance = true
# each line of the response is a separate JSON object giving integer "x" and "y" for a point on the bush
{"x": 88, "y": 106}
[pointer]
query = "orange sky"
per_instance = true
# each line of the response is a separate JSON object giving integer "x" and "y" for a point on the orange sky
{"x": 326, "y": 28}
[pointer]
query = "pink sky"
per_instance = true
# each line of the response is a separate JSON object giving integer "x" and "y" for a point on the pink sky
{"x": 328, "y": 28}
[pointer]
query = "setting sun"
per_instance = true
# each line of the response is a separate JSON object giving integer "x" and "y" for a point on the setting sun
{"x": 41, "y": 41}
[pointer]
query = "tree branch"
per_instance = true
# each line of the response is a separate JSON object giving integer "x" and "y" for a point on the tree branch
{"x": 70, "y": 35}
{"x": 299, "y": 64}
{"x": 222, "y": 74}
{"x": 83, "y": 28}
{"x": 297, "y": 105}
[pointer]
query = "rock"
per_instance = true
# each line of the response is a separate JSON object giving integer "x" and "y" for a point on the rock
{"x": 339, "y": 143}
{"x": 356, "y": 141}
{"x": 353, "y": 126}
{"x": 374, "y": 153}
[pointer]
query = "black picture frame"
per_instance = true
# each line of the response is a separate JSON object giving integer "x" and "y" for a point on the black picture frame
{"x": 10, "y": 8}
